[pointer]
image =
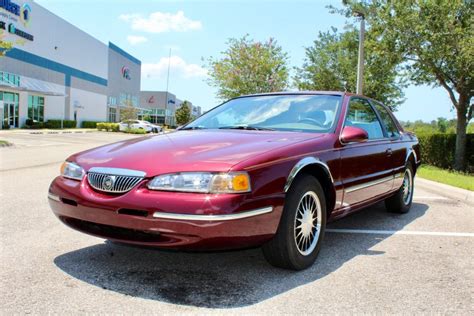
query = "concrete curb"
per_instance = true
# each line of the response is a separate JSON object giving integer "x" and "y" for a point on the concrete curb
{"x": 445, "y": 190}
{"x": 49, "y": 131}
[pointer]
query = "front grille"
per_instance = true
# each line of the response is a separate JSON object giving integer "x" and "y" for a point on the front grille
{"x": 112, "y": 183}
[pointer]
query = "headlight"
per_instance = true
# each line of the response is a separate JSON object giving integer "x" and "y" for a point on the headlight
{"x": 72, "y": 171}
{"x": 203, "y": 182}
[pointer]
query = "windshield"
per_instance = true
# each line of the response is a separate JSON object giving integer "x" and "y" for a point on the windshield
{"x": 299, "y": 113}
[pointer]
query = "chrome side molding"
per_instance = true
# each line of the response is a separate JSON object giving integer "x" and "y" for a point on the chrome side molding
{"x": 411, "y": 151}
{"x": 368, "y": 184}
{"x": 303, "y": 163}
{"x": 213, "y": 218}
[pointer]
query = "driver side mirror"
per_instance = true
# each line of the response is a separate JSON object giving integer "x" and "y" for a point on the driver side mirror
{"x": 352, "y": 134}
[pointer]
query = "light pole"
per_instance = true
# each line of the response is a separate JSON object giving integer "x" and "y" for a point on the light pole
{"x": 167, "y": 86}
{"x": 360, "y": 63}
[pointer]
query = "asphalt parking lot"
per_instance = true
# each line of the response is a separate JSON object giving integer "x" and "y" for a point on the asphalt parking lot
{"x": 371, "y": 262}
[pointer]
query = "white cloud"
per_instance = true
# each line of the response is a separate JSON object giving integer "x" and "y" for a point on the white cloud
{"x": 160, "y": 22}
{"x": 135, "y": 40}
{"x": 177, "y": 66}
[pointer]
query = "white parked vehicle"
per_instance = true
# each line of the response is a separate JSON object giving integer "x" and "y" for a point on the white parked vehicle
{"x": 147, "y": 126}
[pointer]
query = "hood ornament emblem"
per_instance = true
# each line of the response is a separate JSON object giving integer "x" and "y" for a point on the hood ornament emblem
{"x": 108, "y": 182}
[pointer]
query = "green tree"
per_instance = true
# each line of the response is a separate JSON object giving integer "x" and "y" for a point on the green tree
{"x": 442, "y": 124}
{"x": 331, "y": 64}
{"x": 183, "y": 113}
{"x": 128, "y": 113}
{"x": 247, "y": 67}
{"x": 435, "y": 40}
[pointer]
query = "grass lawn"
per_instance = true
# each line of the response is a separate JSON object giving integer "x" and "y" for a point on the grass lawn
{"x": 456, "y": 179}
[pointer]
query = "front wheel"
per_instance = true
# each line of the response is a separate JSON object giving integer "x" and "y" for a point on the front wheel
{"x": 401, "y": 201}
{"x": 300, "y": 233}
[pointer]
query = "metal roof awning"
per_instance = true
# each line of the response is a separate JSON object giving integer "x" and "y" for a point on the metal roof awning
{"x": 36, "y": 86}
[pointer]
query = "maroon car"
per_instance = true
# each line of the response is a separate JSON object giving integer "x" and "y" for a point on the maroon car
{"x": 262, "y": 170}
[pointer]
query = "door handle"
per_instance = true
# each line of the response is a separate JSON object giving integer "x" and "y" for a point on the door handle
{"x": 389, "y": 152}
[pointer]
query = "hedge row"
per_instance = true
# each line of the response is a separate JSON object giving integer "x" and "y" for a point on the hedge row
{"x": 51, "y": 124}
{"x": 135, "y": 131}
{"x": 54, "y": 124}
{"x": 439, "y": 150}
{"x": 109, "y": 127}
{"x": 89, "y": 124}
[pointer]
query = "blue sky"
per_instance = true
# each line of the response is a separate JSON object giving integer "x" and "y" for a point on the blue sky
{"x": 198, "y": 29}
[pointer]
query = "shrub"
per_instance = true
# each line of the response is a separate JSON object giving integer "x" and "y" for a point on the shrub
{"x": 55, "y": 124}
{"x": 109, "y": 127}
{"x": 114, "y": 127}
{"x": 439, "y": 150}
{"x": 89, "y": 124}
{"x": 135, "y": 131}
{"x": 30, "y": 124}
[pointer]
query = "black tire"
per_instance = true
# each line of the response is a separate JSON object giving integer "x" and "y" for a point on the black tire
{"x": 401, "y": 203}
{"x": 283, "y": 250}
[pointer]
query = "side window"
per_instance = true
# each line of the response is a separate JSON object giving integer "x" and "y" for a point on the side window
{"x": 360, "y": 114}
{"x": 387, "y": 120}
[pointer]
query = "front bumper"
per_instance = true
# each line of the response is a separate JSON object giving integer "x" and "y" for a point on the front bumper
{"x": 190, "y": 221}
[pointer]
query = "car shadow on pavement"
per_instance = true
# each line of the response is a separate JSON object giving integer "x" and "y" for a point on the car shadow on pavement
{"x": 223, "y": 279}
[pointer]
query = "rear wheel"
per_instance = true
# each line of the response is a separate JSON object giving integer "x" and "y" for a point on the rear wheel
{"x": 298, "y": 239}
{"x": 401, "y": 201}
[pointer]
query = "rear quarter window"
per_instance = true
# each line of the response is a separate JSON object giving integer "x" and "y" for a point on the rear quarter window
{"x": 387, "y": 121}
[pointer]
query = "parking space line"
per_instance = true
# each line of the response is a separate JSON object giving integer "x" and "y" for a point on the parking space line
{"x": 430, "y": 198}
{"x": 397, "y": 232}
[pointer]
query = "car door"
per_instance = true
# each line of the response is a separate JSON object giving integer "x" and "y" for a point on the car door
{"x": 366, "y": 168}
{"x": 397, "y": 147}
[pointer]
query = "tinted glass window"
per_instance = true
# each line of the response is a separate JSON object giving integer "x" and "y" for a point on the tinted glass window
{"x": 387, "y": 120}
{"x": 360, "y": 114}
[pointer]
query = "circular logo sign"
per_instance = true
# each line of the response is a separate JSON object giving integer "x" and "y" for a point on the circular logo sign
{"x": 126, "y": 73}
{"x": 108, "y": 183}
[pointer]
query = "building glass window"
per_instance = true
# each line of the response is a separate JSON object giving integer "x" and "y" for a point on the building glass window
{"x": 135, "y": 101}
{"x": 126, "y": 99}
{"x": 36, "y": 108}
{"x": 112, "y": 101}
{"x": 9, "y": 79}
{"x": 112, "y": 115}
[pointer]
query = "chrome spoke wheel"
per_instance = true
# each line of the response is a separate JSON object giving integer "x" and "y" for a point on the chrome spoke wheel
{"x": 407, "y": 186}
{"x": 307, "y": 223}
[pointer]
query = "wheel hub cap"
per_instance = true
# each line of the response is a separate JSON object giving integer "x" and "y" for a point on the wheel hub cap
{"x": 407, "y": 187}
{"x": 307, "y": 223}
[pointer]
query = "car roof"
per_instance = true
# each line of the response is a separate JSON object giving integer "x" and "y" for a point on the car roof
{"x": 306, "y": 92}
{"x": 294, "y": 93}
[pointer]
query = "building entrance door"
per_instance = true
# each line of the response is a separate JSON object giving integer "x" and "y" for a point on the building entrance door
{"x": 10, "y": 109}
{"x": 10, "y": 113}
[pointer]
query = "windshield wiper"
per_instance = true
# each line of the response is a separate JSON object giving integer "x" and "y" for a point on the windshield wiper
{"x": 191, "y": 128}
{"x": 247, "y": 127}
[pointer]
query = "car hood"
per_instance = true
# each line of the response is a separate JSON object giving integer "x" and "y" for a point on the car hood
{"x": 207, "y": 150}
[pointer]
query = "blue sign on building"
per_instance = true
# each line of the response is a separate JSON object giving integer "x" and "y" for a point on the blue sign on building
{"x": 10, "y": 7}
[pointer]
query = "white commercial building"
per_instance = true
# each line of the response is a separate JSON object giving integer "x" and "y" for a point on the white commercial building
{"x": 57, "y": 71}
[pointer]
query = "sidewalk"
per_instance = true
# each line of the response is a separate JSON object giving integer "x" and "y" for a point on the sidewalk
{"x": 445, "y": 190}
